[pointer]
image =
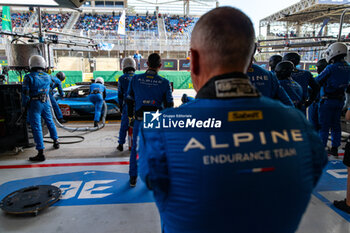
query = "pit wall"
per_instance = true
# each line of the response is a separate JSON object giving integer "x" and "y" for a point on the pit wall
{"x": 180, "y": 79}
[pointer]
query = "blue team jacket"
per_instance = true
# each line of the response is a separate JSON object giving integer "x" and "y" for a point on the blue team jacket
{"x": 230, "y": 161}
{"x": 267, "y": 83}
{"x": 149, "y": 91}
{"x": 123, "y": 85}
{"x": 34, "y": 84}
{"x": 334, "y": 79}
{"x": 294, "y": 91}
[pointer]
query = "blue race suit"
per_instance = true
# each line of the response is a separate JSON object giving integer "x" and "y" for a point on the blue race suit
{"x": 294, "y": 91}
{"x": 56, "y": 83}
{"x": 147, "y": 92}
{"x": 36, "y": 88}
{"x": 123, "y": 84}
{"x": 312, "y": 113}
{"x": 267, "y": 83}
{"x": 305, "y": 79}
{"x": 97, "y": 94}
{"x": 231, "y": 161}
{"x": 334, "y": 79}
{"x": 138, "y": 57}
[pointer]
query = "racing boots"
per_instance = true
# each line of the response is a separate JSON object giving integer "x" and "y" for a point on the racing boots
{"x": 62, "y": 121}
{"x": 132, "y": 181}
{"x": 39, "y": 158}
{"x": 333, "y": 151}
{"x": 95, "y": 123}
{"x": 56, "y": 144}
{"x": 342, "y": 206}
{"x": 120, "y": 147}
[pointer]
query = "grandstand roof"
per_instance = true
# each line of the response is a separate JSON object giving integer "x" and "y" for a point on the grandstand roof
{"x": 310, "y": 11}
{"x": 196, "y": 7}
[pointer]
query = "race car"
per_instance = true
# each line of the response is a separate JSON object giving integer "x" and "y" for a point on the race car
{"x": 76, "y": 101}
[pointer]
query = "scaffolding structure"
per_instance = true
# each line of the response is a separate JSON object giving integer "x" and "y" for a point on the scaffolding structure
{"x": 307, "y": 27}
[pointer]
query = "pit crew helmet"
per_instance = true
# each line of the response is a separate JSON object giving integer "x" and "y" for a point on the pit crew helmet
{"x": 37, "y": 61}
{"x": 293, "y": 57}
{"x": 128, "y": 62}
{"x": 100, "y": 80}
{"x": 336, "y": 49}
{"x": 284, "y": 69}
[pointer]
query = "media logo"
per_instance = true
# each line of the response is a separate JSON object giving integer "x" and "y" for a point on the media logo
{"x": 151, "y": 120}
{"x": 157, "y": 120}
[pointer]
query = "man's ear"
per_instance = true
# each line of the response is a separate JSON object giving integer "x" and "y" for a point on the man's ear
{"x": 194, "y": 62}
{"x": 160, "y": 66}
{"x": 252, "y": 58}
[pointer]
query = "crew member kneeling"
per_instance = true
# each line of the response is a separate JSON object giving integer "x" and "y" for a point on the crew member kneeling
{"x": 232, "y": 160}
{"x": 97, "y": 95}
{"x": 56, "y": 83}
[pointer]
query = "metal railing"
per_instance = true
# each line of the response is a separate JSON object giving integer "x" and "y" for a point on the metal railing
{"x": 135, "y": 40}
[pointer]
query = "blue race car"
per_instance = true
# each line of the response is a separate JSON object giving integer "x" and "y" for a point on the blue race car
{"x": 76, "y": 101}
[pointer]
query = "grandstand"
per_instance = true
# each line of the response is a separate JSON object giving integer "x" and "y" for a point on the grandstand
{"x": 162, "y": 28}
{"x": 306, "y": 27}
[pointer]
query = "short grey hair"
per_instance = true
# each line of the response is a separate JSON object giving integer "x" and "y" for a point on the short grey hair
{"x": 226, "y": 35}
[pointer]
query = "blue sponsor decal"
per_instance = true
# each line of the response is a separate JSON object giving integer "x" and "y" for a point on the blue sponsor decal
{"x": 186, "y": 65}
{"x": 264, "y": 66}
{"x": 334, "y": 179}
{"x": 87, "y": 188}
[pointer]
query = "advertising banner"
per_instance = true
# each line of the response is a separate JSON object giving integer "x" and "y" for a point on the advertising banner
{"x": 169, "y": 64}
{"x": 184, "y": 64}
{"x": 180, "y": 79}
{"x": 72, "y": 77}
{"x": 311, "y": 67}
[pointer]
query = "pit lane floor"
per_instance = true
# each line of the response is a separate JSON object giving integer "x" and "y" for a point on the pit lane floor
{"x": 93, "y": 176}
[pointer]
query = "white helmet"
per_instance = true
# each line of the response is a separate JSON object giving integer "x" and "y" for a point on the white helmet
{"x": 37, "y": 61}
{"x": 99, "y": 80}
{"x": 336, "y": 49}
{"x": 128, "y": 62}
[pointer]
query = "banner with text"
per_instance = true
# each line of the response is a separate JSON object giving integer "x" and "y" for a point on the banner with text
{"x": 181, "y": 79}
{"x": 72, "y": 77}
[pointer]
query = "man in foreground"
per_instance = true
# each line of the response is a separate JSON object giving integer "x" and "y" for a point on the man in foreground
{"x": 230, "y": 161}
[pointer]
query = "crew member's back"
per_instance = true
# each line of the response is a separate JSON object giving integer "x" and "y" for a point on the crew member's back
{"x": 229, "y": 161}
{"x": 254, "y": 173}
{"x": 267, "y": 84}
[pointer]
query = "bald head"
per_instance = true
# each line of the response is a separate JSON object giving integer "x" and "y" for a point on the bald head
{"x": 224, "y": 41}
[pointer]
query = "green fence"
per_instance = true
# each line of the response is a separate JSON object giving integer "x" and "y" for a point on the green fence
{"x": 72, "y": 77}
{"x": 181, "y": 79}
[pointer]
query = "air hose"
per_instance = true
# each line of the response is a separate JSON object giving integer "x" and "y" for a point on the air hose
{"x": 81, "y": 129}
{"x": 80, "y": 139}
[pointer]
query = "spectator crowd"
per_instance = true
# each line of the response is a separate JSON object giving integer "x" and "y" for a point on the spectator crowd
{"x": 105, "y": 22}
{"x": 110, "y": 22}
{"x": 51, "y": 21}
{"x": 178, "y": 24}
